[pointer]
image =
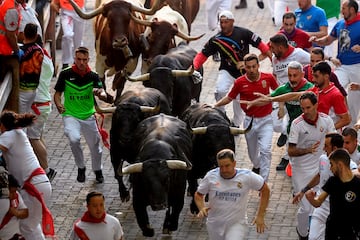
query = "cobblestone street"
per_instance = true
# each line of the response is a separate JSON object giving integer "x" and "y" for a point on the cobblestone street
{"x": 68, "y": 199}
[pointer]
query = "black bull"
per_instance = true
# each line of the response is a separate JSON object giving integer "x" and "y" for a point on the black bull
{"x": 212, "y": 132}
{"x": 170, "y": 74}
{"x": 158, "y": 180}
{"x": 133, "y": 107}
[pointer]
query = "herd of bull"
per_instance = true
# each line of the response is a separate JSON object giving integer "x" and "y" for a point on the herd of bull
{"x": 166, "y": 140}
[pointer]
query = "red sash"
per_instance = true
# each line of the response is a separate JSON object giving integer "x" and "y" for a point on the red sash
{"x": 47, "y": 219}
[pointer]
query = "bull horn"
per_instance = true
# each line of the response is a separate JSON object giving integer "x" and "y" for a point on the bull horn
{"x": 105, "y": 110}
{"x": 85, "y": 15}
{"x": 199, "y": 130}
{"x": 177, "y": 164}
{"x": 139, "y": 78}
{"x": 133, "y": 168}
{"x": 183, "y": 73}
{"x": 146, "y": 109}
{"x": 140, "y": 21}
{"x": 187, "y": 37}
{"x": 146, "y": 11}
{"x": 236, "y": 131}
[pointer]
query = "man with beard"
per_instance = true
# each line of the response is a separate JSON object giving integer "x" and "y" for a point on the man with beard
{"x": 343, "y": 190}
{"x": 346, "y": 31}
{"x": 259, "y": 138}
{"x": 331, "y": 101}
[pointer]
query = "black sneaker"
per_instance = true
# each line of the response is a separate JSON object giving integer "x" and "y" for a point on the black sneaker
{"x": 99, "y": 176}
{"x": 256, "y": 170}
{"x": 51, "y": 174}
{"x": 260, "y": 4}
{"x": 81, "y": 175}
{"x": 281, "y": 140}
{"x": 282, "y": 165}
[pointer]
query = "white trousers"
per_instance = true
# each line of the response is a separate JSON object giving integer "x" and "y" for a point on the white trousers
{"x": 236, "y": 231}
{"x": 30, "y": 227}
{"x": 223, "y": 84}
{"x": 347, "y": 74}
{"x": 258, "y": 141}
{"x": 300, "y": 177}
{"x": 73, "y": 29}
{"x": 213, "y": 8}
{"x": 317, "y": 225}
{"x": 73, "y": 128}
{"x": 281, "y": 7}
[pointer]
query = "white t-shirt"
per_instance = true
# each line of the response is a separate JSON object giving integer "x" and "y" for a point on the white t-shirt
{"x": 280, "y": 66}
{"x": 355, "y": 156}
{"x": 305, "y": 135}
{"x": 20, "y": 158}
{"x": 12, "y": 227}
{"x": 228, "y": 197}
{"x": 110, "y": 229}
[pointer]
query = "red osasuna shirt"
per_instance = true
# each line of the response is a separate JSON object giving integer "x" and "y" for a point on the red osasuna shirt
{"x": 330, "y": 98}
{"x": 246, "y": 89}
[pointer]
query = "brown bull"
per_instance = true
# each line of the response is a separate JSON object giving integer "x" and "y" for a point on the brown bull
{"x": 187, "y": 8}
{"x": 116, "y": 37}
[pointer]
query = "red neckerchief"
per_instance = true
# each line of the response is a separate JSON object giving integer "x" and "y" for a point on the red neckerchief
{"x": 8, "y": 215}
{"x": 300, "y": 85}
{"x": 309, "y": 121}
{"x": 355, "y": 19}
{"x": 289, "y": 51}
{"x": 90, "y": 219}
{"x": 47, "y": 219}
{"x": 288, "y": 35}
{"x": 81, "y": 73}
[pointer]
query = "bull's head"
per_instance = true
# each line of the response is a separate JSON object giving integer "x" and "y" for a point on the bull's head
{"x": 156, "y": 175}
{"x": 161, "y": 37}
{"x": 117, "y": 14}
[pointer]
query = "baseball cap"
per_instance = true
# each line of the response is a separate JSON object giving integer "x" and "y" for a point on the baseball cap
{"x": 227, "y": 15}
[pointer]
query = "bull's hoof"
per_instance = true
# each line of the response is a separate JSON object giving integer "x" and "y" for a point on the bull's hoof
{"x": 125, "y": 196}
{"x": 148, "y": 232}
{"x": 193, "y": 208}
{"x": 166, "y": 231}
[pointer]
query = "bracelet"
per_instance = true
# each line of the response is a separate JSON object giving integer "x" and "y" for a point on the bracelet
{"x": 305, "y": 189}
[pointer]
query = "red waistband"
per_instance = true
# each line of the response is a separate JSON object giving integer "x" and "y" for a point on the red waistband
{"x": 40, "y": 104}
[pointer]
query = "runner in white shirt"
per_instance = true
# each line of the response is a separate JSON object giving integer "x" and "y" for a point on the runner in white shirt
{"x": 228, "y": 188}
{"x": 96, "y": 223}
{"x": 306, "y": 141}
{"x": 351, "y": 143}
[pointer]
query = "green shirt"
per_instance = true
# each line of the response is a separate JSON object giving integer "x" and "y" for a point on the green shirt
{"x": 292, "y": 107}
{"x": 78, "y": 92}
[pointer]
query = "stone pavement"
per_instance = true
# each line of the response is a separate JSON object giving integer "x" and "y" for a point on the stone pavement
{"x": 68, "y": 199}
